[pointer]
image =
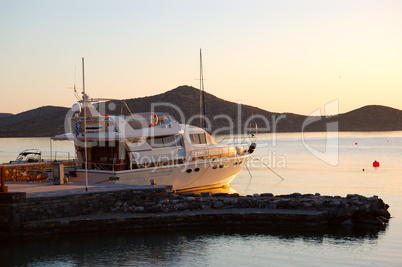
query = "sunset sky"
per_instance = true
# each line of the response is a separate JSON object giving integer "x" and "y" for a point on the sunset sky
{"x": 282, "y": 56}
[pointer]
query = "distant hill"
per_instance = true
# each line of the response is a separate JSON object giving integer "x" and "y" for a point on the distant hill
{"x": 367, "y": 118}
{"x": 187, "y": 99}
{"x": 2, "y": 115}
{"x": 49, "y": 120}
{"x": 371, "y": 118}
{"x": 43, "y": 121}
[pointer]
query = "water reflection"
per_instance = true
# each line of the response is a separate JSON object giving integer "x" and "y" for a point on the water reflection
{"x": 169, "y": 249}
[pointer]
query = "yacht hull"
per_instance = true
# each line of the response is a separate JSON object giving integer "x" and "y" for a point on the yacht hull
{"x": 191, "y": 175}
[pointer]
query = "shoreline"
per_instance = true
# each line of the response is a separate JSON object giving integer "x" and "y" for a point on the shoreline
{"x": 226, "y": 133}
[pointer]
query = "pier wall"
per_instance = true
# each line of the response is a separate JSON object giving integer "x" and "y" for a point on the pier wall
{"x": 27, "y": 172}
{"x": 17, "y": 209}
{"x": 37, "y": 172}
{"x": 158, "y": 209}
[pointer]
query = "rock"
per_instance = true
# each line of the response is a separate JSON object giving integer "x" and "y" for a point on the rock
{"x": 267, "y": 195}
{"x": 293, "y": 203}
{"x": 335, "y": 204}
{"x": 349, "y": 211}
{"x": 216, "y": 204}
{"x": 319, "y": 204}
{"x": 296, "y": 195}
{"x": 355, "y": 208}
{"x": 235, "y": 201}
{"x": 370, "y": 222}
{"x": 190, "y": 199}
{"x": 188, "y": 194}
{"x": 383, "y": 219}
{"x": 164, "y": 201}
{"x": 366, "y": 207}
{"x": 383, "y": 213}
{"x": 181, "y": 206}
{"x": 282, "y": 203}
{"x": 227, "y": 201}
{"x": 194, "y": 205}
{"x": 175, "y": 201}
{"x": 205, "y": 206}
{"x": 220, "y": 195}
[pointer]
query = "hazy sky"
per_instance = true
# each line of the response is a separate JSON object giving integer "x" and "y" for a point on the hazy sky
{"x": 292, "y": 56}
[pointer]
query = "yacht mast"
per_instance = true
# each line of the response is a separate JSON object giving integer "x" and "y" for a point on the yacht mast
{"x": 203, "y": 123}
{"x": 84, "y": 97}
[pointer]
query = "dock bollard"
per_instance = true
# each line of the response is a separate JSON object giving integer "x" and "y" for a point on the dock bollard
{"x": 58, "y": 173}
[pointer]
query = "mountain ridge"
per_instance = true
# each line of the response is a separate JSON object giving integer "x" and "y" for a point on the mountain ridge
{"x": 224, "y": 116}
{"x": 2, "y": 115}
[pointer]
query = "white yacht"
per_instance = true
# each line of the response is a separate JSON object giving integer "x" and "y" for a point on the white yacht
{"x": 153, "y": 148}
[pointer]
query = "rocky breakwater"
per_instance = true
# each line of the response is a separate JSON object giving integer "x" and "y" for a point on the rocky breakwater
{"x": 351, "y": 211}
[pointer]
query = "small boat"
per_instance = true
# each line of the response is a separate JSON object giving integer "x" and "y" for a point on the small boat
{"x": 30, "y": 155}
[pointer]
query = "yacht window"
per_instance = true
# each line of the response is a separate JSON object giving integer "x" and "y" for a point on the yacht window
{"x": 169, "y": 141}
{"x": 196, "y": 139}
{"x": 156, "y": 142}
{"x": 192, "y": 138}
{"x": 202, "y": 138}
{"x": 172, "y": 140}
{"x": 179, "y": 140}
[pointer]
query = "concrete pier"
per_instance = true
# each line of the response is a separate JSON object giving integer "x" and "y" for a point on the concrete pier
{"x": 40, "y": 208}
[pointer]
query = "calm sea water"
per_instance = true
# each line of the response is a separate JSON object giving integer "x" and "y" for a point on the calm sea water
{"x": 302, "y": 171}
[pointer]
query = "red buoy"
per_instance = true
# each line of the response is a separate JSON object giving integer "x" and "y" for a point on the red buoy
{"x": 355, "y": 143}
{"x": 376, "y": 164}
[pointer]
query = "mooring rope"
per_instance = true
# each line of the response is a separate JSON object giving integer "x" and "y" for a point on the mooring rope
{"x": 267, "y": 167}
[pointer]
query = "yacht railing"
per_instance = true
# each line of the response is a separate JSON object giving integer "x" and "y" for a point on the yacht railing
{"x": 246, "y": 140}
{"x": 217, "y": 152}
{"x": 239, "y": 142}
{"x": 103, "y": 166}
{"x": 61, "y": 152}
